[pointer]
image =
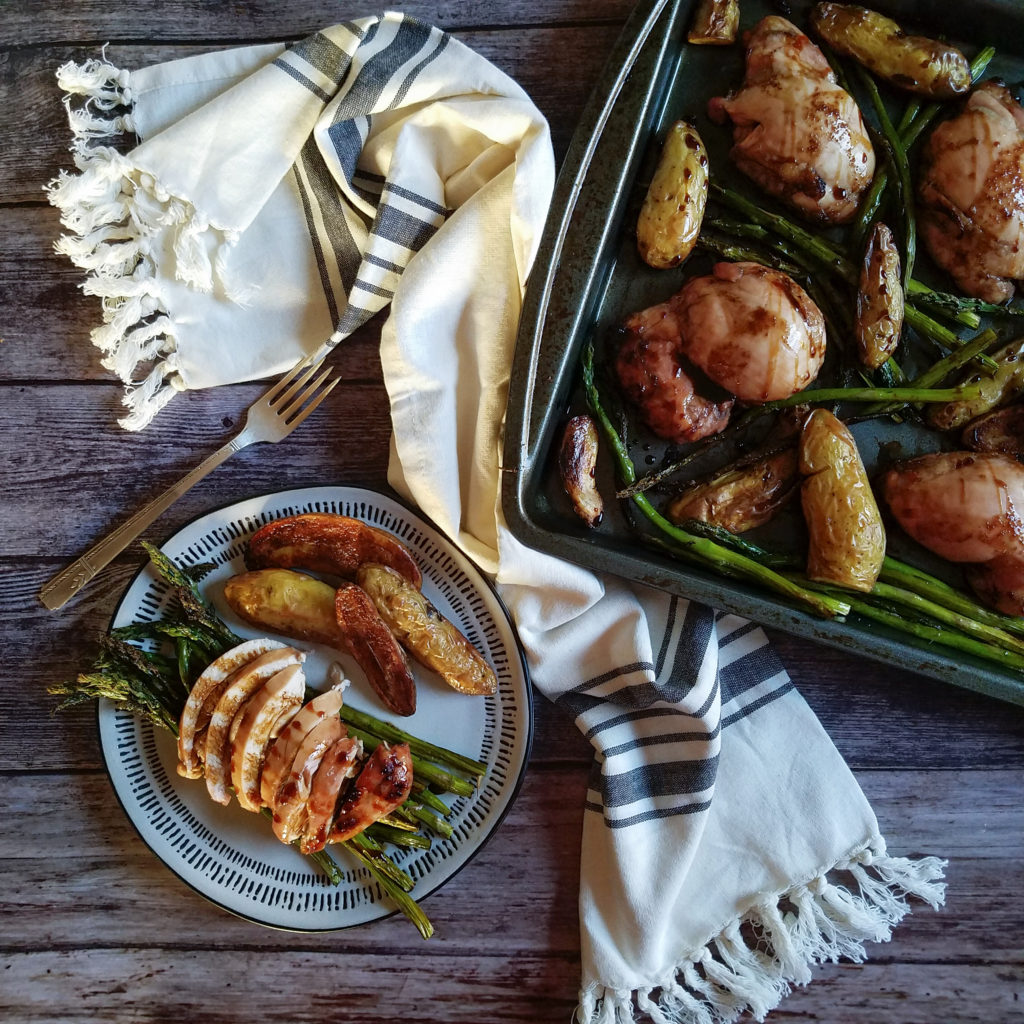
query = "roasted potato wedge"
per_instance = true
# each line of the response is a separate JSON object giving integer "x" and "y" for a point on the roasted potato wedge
{"x": 879, "y": 299}
{"x": 847, "y": 539}
{"x": 1001, "y": 430}
{"x": 375, "y": 649}
{"x": 743, "y": 498}
{"x": 998, "y": 388}
{"x": 577, "y": 460}
{"x": 328, "y": 543}
{"x": 673, "y": 209}
{"x": 921, "y": 65}
{"x": 290, "y": 603}
{"x": 429, "y": 637}
{"x": 714, "y": 23}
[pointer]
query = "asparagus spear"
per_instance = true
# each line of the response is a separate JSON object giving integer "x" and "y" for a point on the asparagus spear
{"x": 964, "y": 392}
{"x": 392, "y": 733}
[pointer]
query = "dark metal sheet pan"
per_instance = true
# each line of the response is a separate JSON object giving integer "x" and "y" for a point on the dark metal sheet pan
{"x": 588, "y": 278}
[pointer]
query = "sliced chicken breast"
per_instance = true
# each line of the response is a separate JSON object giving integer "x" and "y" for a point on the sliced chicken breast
{"x": 203, "y": 698}
{"x": 257, "y": 725}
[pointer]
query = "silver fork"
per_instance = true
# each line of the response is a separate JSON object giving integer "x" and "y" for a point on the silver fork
{"x": 270, "y": 418}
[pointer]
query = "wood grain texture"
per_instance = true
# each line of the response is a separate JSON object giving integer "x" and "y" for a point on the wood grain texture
{"x": 95, "y": 928}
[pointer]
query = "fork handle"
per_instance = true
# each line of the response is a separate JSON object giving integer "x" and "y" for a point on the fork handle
{"x": 59, "y": 590}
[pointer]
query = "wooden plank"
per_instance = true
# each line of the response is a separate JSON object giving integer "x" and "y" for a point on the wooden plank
{"x": 106, "y": 20}
{"x": 37, "y": 134}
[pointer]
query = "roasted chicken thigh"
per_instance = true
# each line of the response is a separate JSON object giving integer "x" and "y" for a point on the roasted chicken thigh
{"x": 751, "y": 330}
{"x": 972, "y": 194}
{"x": 795, "y": 131}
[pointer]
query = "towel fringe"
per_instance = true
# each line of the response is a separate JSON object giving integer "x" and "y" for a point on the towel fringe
{"x": 114, "y": 215}
{"x": 752, "y": 964}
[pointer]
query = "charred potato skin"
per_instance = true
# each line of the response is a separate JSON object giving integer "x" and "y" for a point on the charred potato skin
{"x": 673, "y": 209}
{"x": 921, "y": 65}
{"x": 997, "y": 389}
{"x": 375, "y": 649}
{"x": 328, "y": 543}
{"x": 715, "y": 23}
{"x": 880, "y": 300}
{"x": 741, "y": 499}
{"x": 847, "y": 538}
{"x": 577, "y": 463}
{"x": 286, "y": 602}
{"x": 426, "y": 634}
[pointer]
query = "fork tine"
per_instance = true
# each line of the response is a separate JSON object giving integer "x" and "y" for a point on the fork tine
{"x": 305, "y": 370}
{"x": 276, "y": 392}
{"x": 296, "y": 410}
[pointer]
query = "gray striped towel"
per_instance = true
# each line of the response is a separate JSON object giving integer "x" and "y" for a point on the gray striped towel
{"x": 282, "y": 197}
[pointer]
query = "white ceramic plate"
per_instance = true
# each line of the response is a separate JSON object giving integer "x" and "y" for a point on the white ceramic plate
{"x": 231, "y": 856}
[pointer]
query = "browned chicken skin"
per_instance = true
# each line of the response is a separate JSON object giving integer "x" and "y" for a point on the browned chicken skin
{"x": 967, "y": 507}
{"x": 795, "y": 131}
{"x": 750, "y": 329}
{"x": 652, "y": 376}
{"x": 972, "y": 194}
{"x": 382, "y": 785}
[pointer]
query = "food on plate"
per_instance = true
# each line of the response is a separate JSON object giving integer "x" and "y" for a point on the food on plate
{"x": 753, "y": 330}
{"x": 673, "y": 209}
{"x": 340, "y": 762}
{"x": 796, "y": 132}
{"x": 299, "y": 754}
{"x": 294, "y": 604}
{"x": 972, "y": 194}
{"x": 328, "y": 543}
{"x": 374, "y": 621}
{"x": 1001, "y": 430}
{"x": 240, "y": 686}
{"x": 375, "y": 649}
{"x": 847, "y": 538}
{"x": 714, "y": 23}
{"x": 281, "y": 763}
{"x": 996, "y": 388}
{"x": 289, "y": 814}
{"x": 966, "y": 507}
{"x": 652, "y": 372}
{"x": 925, "y": 66}
{"x": 879, "y": 314}
{"x": 382, "y": 786}
{"x": 202, "y": 698}
{"x": 425, "y": 633}
{"x": 741, "y": 498}
{"x": 257, "y": 725}
{"x": 577, "y": 460}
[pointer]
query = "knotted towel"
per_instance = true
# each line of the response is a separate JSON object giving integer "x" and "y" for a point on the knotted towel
{"x": 281, "y": 197}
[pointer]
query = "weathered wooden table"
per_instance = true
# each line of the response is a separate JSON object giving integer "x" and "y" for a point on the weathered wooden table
{"x": 94, "y": 927}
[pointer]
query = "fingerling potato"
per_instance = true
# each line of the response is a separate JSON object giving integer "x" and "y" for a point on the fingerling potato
{"x": 328, "y": 543}
{"x": 880, "y": 304}
{"x": 428, "y": 636}
{"x": 714, "y": 23}
{"x": 847, "y": 539}
{"x": 577, "y": 462}
{"x": 921, "y": 65}
{"x": 741, "y": 499}
{"x": 673, "y": 209}
{"x": 290, "y": 603}
{"x": 375, "y": 649}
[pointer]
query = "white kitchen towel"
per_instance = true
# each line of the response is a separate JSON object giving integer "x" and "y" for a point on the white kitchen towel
{"x": 278, "y": 193}
{"x": 280, "y": 197}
